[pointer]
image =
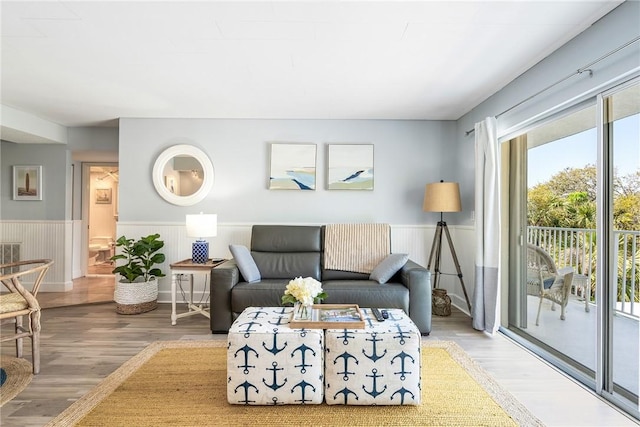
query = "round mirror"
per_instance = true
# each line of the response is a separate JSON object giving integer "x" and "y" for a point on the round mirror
{"x": 183, "y": 175}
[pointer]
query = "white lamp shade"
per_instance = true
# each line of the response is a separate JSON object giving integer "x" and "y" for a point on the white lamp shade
{"x": 202, "y": 225}
{"x": 442, "y": 197}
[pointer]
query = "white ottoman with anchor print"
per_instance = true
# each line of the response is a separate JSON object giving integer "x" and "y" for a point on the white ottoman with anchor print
{"x": 269, "y": 363}
{"x": 378, "y": 365}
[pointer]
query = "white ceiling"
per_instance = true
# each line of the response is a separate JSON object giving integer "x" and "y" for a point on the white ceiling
{"x": 86, "y": 63}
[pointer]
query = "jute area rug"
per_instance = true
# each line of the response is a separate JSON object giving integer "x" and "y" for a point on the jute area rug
{"x": 15, "y": 376}
{"x": 183, "y": 383}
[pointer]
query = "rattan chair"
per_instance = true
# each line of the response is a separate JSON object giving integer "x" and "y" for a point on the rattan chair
{"x": 20, "y": 302}
{"x": 545, "y": 281}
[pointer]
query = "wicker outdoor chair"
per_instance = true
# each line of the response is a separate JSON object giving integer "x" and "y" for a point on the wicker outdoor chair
{"x": 545, "y": 281}
{"x": 20, "y": 302}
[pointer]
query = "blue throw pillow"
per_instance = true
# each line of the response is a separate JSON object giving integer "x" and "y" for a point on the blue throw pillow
{"x": 388, "y": 267}
{"x": 246, "y": 264}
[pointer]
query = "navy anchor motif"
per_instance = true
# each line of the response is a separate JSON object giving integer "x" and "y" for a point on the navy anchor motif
{"x": 303, "y": 354}
{"x": 374, "y": 355}
{"x": 255, "y": 315}
{"x": 346, "y": 392}
{"x": 246, "y": 386}
{"x": 274, "y": 401}
{"x": 374, "y": 380}
{"x": 247, "y": 332}
{"x": 345, "y": 357}
{"x": 245, "y": 349}
{"x": 274, "y": 385}
{"x": 274, "y": 347}
{"x": 346, "y": 337}
{"x": 369, "y": 320}
{"x": 282, "y": 320}
{"x": 303, "y": 388}
{"x": 402, "y": 335}
{"x": 402, "y": 391}
{"x": 282, "y": 311}
{"x": 403, "y": 356}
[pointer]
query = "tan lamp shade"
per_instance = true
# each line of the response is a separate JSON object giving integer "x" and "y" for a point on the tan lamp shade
{"x": 442, "y": 197}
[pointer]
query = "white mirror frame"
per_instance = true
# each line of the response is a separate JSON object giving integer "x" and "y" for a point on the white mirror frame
{"x": 183, "y": 150}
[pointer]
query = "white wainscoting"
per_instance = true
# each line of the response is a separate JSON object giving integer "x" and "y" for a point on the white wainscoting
{"x": 76, "y": 263}
{"x": 44, "y": 240}
{"x": 415, "y": 240}
{"x": 58, "y": 240}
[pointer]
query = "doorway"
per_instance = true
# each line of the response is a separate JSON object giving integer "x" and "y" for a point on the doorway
{"x": 101, "y": 213}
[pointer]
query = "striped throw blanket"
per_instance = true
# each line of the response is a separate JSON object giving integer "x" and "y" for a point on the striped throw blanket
{"x": 356, "y": 247}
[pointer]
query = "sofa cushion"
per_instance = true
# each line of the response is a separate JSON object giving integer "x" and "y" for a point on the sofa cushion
{"x": 286, "y": 265}
{"x": 388, "y": 267}
{"x": 246, "y": 263}
{"x": 286, "y": 238}
{"x": 367, "y": 293}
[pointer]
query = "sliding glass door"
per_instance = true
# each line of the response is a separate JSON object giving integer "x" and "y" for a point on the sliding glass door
{"x": 560, "y": 234}
{"x": 621, "y": 166}
{"x": 574, "y": 241}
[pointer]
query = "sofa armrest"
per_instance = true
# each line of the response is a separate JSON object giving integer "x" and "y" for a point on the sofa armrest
{"x": 223, "y": 278}
{"x": 418, "y": 280}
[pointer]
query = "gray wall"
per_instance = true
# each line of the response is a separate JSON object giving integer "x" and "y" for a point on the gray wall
{"x": 88, "y": 144}
{"x": 55, "y": 162}
{"x": 407, "y": 155}
{"x": 612, "y": 31}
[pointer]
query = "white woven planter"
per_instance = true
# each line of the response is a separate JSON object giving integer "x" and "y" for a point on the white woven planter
{"x": 137, "y": 297}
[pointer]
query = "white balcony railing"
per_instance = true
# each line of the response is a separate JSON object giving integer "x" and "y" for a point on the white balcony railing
{"x": 576, "y": 247}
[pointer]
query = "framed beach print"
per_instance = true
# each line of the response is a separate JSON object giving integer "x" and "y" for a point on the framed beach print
{"x": 350, "y": 167}
{"x": 27, "y": 183}
{"x": 103, "y": 196}
{"x": 293, "y": 167}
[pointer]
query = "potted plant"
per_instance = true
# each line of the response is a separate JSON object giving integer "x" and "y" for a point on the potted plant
{"x": 137, "y": 288}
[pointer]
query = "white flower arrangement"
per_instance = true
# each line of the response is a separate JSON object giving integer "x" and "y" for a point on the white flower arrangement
{"x": 305, "y": 291}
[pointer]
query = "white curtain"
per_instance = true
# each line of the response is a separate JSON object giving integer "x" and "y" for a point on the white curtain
{"x": 485, "y": 308}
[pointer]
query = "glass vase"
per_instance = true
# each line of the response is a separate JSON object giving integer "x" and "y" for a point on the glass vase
{"x": 302, "y": 311}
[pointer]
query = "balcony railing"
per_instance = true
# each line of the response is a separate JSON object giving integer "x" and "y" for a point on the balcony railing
{"x": 576, "y": 247}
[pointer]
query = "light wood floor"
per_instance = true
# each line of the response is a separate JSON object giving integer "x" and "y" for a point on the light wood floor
{"x": 86, "y": 290}
{"x": 81, "y": 345}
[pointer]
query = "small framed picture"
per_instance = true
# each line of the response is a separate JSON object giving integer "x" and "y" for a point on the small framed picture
{"x": 27, "y": 183}
{"x": 293, "y": 167}
{"x": 350, "y": 167}
{"x": 103, "y": 196}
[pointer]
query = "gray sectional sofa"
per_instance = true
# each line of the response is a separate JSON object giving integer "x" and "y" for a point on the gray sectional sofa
{"x": 283, "y": 252}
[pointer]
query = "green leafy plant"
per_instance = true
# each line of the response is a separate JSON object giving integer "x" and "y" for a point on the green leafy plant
{"x": 141, "y": 256}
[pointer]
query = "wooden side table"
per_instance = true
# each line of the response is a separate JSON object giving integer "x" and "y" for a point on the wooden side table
{"x": 188, "y": 267}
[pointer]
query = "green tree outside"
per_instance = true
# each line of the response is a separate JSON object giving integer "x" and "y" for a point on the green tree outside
{"x": 568, "y": 200}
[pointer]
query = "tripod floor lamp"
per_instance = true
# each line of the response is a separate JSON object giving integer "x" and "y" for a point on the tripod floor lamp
{"x": 443, "y": 197}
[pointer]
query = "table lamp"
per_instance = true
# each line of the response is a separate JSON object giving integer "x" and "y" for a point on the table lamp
{"x": 201, "y": 226}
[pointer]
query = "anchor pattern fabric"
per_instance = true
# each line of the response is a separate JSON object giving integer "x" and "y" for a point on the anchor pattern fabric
{"x": 269, "y": 363}
{"x": 378, "y": 365}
